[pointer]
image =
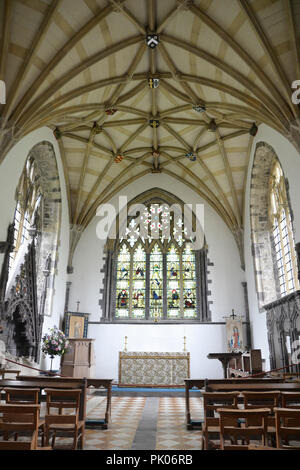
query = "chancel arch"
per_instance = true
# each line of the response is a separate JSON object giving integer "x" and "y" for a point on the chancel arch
{"x": 156, "y": 267}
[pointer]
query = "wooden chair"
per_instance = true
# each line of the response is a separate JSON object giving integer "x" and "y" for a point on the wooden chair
{"x": 290, "y": 400}
{"x": 16, "y": 445}
{"x": 211, "y": 402}
{"x": 25, "y": 396}
{"x": 271, "y": 400}
{"x": 231, "y": 428}
{"x": 20, "y": 419}
{"x": 287, "y": 427}
{"x": 63, "y": 425}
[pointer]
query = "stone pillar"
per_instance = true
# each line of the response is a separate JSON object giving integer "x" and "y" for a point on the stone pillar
{"x": 247, "y": 316}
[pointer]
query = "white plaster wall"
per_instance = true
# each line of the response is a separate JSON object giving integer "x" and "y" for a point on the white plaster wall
{"x": 227, "y": 293}
{"x": 10, "y": 172}
{"x": 290, "y": 161}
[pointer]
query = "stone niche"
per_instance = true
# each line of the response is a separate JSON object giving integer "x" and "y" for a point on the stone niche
{"x": 6, "y": 357}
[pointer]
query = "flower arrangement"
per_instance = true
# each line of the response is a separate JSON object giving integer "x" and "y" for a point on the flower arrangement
{"x": 55, "y": 343}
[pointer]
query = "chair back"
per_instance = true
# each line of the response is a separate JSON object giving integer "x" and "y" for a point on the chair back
{"x": 231, "y": 427}
{"x": 254, "y": 400}
{"x": 287, "y": 422}
{"x": 17, "y": 445}
{"x": 22, "y": 395}
{"x": 61, "y": 399}
{"x": 290, "y": 400}
{"x": 20, "y": 418}
{"x": 214, "y": 400}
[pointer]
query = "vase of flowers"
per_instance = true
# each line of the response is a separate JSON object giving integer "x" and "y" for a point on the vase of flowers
{"x": 54, "y": 343}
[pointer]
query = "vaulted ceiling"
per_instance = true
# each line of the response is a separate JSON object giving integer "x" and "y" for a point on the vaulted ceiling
{"x": 84, "y": 68}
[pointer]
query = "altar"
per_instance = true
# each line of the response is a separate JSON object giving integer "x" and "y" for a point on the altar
{"x": 153, "y": 368}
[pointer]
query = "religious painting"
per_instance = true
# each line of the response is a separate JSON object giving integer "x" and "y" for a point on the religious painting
{"x": 76, "y": 325}
{"x": 234, "y": 335}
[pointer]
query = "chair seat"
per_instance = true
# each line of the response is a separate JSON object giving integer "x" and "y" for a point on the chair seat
{"x": 212, "y": 429}
{"x": 65, "y": 427}
{"x": 271, "y": 430}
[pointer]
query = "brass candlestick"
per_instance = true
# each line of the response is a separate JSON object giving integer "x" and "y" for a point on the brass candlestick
{"x": 125, "y": 347}
{"x": 184, "y": 343}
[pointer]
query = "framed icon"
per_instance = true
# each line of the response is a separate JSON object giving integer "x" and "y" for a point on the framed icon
{"x": 76, "y": 325}
{"x": 234, "y": 333}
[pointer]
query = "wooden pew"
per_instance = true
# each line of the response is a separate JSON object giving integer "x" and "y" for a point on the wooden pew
{"x": 91, "y": 382}
{"x": 255, "y": 387}
{"x": 61, "y": 383}
{"x": 204, "y": 384}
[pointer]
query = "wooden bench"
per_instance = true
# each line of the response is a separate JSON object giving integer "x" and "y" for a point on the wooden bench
{"x": 60, "y": 383}
{"x": 204, "y": 384}
{"x": 105, "y": 384}
{"x": 255, "y": 387}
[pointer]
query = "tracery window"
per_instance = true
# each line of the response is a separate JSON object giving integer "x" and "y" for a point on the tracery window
{"x": 156, "y": 269}
{"x": 28, "y": 197}
{"x": 281, "y": 225}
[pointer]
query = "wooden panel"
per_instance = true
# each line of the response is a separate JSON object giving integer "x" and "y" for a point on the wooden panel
{"x": 77, "y": 362}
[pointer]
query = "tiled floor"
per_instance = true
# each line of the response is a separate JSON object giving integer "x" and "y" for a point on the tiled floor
{"x": 169, "y": 430}
{"x": 125, "y": 417}
{"x": 140, "y": 422}
{"x": 172, "y": 433}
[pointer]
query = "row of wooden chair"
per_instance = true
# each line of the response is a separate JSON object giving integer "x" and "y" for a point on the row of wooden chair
{"x": 21, "y": 414}
{"x": 240, "y": 426}
{"x": 257, "y": 418}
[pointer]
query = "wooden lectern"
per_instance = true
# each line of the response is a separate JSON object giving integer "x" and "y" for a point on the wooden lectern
{"x": 77, "y": 362}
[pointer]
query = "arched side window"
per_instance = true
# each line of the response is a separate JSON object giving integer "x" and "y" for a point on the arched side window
{"x": 273, "y": 248}
{"x": 153, "y": 271}
{"x": 38, "y": 216}
{"x": 282, "y": 230}
{"x": 28, "y": 207}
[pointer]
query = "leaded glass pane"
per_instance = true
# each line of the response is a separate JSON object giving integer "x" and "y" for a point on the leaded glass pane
{"x": 282, "y": 233}
{"x": 189, "y": 283}
{"x": 138, "y": 282}
{"x": 141, "y": 285}
{"x": 123, "y": 283}
{"x": 173, "y": 283}
{"x": 156, "y": 282}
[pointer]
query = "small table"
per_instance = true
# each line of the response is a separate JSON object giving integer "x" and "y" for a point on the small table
{"x": 224, "y": 358}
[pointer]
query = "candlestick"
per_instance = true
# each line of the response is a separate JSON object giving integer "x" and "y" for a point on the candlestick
{"x": 125, "y": 348}
{"x": 78, "y": 303}
{"x": 184, "y": 343}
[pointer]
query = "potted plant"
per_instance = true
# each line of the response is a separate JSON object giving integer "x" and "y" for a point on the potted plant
{"x": 54, "y": 343}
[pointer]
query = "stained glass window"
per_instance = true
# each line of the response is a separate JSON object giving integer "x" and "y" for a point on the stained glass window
{"x": 138, "y": 282}
{"x": 156, "y": 269}
{"x": 123, "y": 283}
{"x": 173, "y": 282}
{"x": 156, "y": 282}
{"x": 189, "y": 282}
{"x": 282, "y": 233}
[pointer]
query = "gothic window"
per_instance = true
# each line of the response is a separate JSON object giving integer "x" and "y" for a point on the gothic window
{"x": 281, "y": 226}
{"x": 156, "y": 270}
{"x": 123, "y": 283}
{"x": 156, "y": 282}
{"x": 28, "y": 205}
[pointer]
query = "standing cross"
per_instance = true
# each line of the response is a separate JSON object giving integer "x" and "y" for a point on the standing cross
{"x": 233, "y": 316}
